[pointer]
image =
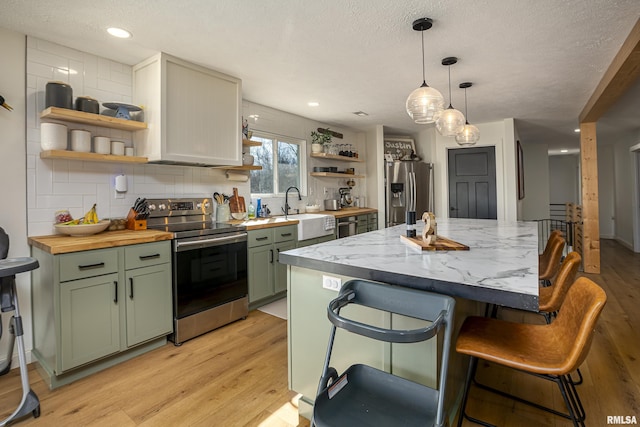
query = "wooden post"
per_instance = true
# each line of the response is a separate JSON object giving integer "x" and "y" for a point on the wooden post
{"x": 590, "y": 215}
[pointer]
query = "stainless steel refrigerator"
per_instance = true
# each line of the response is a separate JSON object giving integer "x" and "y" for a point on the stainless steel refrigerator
{"x": 408, "y": 184}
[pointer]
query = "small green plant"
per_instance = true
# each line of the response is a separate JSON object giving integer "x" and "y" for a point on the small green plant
{"x": 320, "y": 138}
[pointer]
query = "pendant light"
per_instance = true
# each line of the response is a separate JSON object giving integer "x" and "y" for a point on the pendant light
{"x": 470, "y": 134}
{"x": 450, "y": 122}
{"x": 424, "y": 102}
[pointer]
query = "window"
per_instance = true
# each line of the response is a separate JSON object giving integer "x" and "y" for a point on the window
{"x": 281, "y": 161}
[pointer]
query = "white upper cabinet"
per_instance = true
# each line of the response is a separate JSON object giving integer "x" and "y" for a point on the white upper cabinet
{"x": 193, "y": 113}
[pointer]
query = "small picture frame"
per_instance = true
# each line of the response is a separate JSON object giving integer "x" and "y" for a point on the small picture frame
{"x": 520, "y": 166}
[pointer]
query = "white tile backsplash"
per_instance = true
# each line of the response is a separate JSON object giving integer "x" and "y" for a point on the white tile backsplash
{"x": 54, "y": 185}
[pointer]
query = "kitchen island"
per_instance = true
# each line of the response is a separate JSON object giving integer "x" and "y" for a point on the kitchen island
{"x": 501, "y": 267}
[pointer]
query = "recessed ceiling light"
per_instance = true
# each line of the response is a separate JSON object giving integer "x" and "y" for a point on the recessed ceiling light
{"x": 577, "y": 130}
{"x": 119, "y": 32}
{"x": 313, "y": 104}
{"x": 360, "y": 113}
{"x": 564, "y": 151}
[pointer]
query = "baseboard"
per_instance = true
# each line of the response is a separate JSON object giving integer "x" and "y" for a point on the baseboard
{"x": 624, "y": 243}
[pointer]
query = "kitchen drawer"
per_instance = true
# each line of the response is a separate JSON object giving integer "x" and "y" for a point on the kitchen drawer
{"x": 285, "y": 233}
{"x": 373, "y": 218}
{"x": 363, "y": 219}
{"x": 136, "y": 256}
{"x": 79, "y": 265}
{"x": 263, "y": 236}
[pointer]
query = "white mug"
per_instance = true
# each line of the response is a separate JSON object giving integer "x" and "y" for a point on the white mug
{"x": 128, "y": 151}
{"x": 117, "y": 148}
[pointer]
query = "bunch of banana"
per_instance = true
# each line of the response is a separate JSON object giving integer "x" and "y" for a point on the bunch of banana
{"x": 91, "y": 217}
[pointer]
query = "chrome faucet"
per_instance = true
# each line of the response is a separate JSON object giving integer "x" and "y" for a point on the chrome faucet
{"x": 286, "y": 200}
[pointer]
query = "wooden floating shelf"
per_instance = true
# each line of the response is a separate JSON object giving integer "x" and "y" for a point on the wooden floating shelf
{"x": 90, "y": 157}
{"x": 74, "y": 116}
{"x": 335, "y": 175}
{"x": 239, "y": 168}
{"x": 337, "y": 157}
{"x": 248, "y": 143}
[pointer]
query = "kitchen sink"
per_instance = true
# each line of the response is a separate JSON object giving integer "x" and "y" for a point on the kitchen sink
{"x": 311, "y": 226}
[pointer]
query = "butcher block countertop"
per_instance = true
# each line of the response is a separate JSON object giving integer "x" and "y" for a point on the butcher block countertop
{"x": 279, "y": 221}
{"x": 63, "y": 244}
{"x": 349, "y": 212}
{"x": 258, "y": 223}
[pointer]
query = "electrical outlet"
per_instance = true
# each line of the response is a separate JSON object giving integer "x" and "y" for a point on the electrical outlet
{"x": 118, "y": 195}
{"x": 330, "y": 282}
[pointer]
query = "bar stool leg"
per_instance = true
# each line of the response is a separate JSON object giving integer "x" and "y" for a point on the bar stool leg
{"x": 471, "y": 374}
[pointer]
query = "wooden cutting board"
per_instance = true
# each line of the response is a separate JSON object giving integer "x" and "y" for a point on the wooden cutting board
{"x": 236, "y": 203}
{"x": 442, "y": 244}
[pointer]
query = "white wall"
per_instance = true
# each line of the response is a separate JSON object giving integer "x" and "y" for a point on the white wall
{"x": 623, "y": 176}
{"x": 535, "y": 204}
{"x": 77, "y": 185}
{"x": 606, "y": 193}
{"x": 499, "y": 134}
{"x": 13, "y": 214}
{"x": 286, "y": 124}
{"x": 564, "y": 178}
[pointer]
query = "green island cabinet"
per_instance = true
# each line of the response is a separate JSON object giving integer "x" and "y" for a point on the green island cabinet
{"x": 316, "y": 240}
{"x": 96, "y": 308}
{"x": 267, "y": 277}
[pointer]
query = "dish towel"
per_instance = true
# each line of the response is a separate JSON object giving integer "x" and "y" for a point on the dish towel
{"x": 329, "y": 222}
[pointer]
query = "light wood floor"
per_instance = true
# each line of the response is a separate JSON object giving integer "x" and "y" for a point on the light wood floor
{"x": 237, "y": 375}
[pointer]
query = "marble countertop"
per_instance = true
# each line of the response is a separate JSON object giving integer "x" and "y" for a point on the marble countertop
{"x": 501, "y": 266}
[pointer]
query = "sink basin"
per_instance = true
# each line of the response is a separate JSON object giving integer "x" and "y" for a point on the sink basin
{"x": 311, "y": 226}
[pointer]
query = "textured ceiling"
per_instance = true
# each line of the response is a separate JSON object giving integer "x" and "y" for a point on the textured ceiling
{"x": 536, "y": 61}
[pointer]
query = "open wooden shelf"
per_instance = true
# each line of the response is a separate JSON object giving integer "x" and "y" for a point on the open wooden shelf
{"x": 90, "y": 157}
{"x": 239, "y": 168}
{"x": 336, "y": 157}
{"x": 248, "y": 143}
{"x": 335, "y": 175}
{"x": 91, "y": 119}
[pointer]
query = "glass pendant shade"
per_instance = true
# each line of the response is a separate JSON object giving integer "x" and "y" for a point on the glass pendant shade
{"x": 469, "y": 136}
{"x": 450, "y": 122}
{"x": 424, "y": 103}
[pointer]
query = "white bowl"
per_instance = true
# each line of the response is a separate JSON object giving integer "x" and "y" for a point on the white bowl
{"x": 312, "y": 208}
{"x": 83, "y": 229}
{"x": 238, "y": 215}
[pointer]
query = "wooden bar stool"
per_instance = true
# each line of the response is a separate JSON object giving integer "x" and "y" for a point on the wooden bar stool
{"x": 549, "y": 260}
{"x": 549, "y": 351}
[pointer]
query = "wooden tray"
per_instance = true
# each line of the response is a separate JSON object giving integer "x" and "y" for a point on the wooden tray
{"x": 442, "y": 244}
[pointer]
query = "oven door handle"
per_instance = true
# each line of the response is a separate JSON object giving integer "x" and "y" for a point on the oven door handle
{"x": 212, "y": 242}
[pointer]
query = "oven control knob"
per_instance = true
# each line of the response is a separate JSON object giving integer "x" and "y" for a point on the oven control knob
{"x": 152, "y": 207}
{"x": 162, "y": 206}
{"x": 207, "y": 205}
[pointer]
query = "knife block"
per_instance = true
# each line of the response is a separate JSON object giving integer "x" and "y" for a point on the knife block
{"x": 135, "y": 224}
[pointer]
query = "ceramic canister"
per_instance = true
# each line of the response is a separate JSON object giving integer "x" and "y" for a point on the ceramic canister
{"x": 117, "y": 148}
{"x": 53, "y": 136}
{"x": 81, "y": 140}
{"x": 58, "y": 94}
{"x": 102, "y": 144}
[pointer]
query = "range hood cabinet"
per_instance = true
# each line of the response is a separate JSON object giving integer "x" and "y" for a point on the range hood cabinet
{"x": 193, "y": 113}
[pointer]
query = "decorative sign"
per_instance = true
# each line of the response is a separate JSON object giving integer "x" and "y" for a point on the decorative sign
{"x": 400, "y": 149}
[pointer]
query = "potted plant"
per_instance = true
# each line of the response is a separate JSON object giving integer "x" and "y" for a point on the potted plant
{"x": 318, "y": 140}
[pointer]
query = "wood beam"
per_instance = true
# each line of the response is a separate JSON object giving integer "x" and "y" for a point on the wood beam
{"x": 590, "y": 214}
{"x": 621, "y": 74}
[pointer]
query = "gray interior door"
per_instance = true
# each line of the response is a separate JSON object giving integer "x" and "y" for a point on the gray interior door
{"x": 472, "y": 183}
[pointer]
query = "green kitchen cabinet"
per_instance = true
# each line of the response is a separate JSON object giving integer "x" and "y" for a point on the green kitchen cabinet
{"x": 316, "y": 240}
{"x": 367, "y": 222}
{"x": 95, "y": 308}
{"x": 90, "y": 320}
{"x": 267, "y": 277}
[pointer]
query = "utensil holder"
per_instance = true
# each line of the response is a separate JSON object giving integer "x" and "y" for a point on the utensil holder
{"x": 135, "y": 224}
{"x": 223, "y": 213}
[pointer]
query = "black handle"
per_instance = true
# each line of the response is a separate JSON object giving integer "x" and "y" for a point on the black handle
{"x": 146, "y": 257}
{"x": 271, "y": 252}
{"x": 115, "y": 285}
{"x": 285, "y": 234}
{"x": 262, "y": 238}
{"x": 278, "y": 259}
{"x": 453, "y": 209}
{"x": 90, "y": 266}
{"x": 131, "y": 286}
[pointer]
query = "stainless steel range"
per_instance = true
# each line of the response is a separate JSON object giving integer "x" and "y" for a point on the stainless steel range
{"x": 209, "y": 266}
